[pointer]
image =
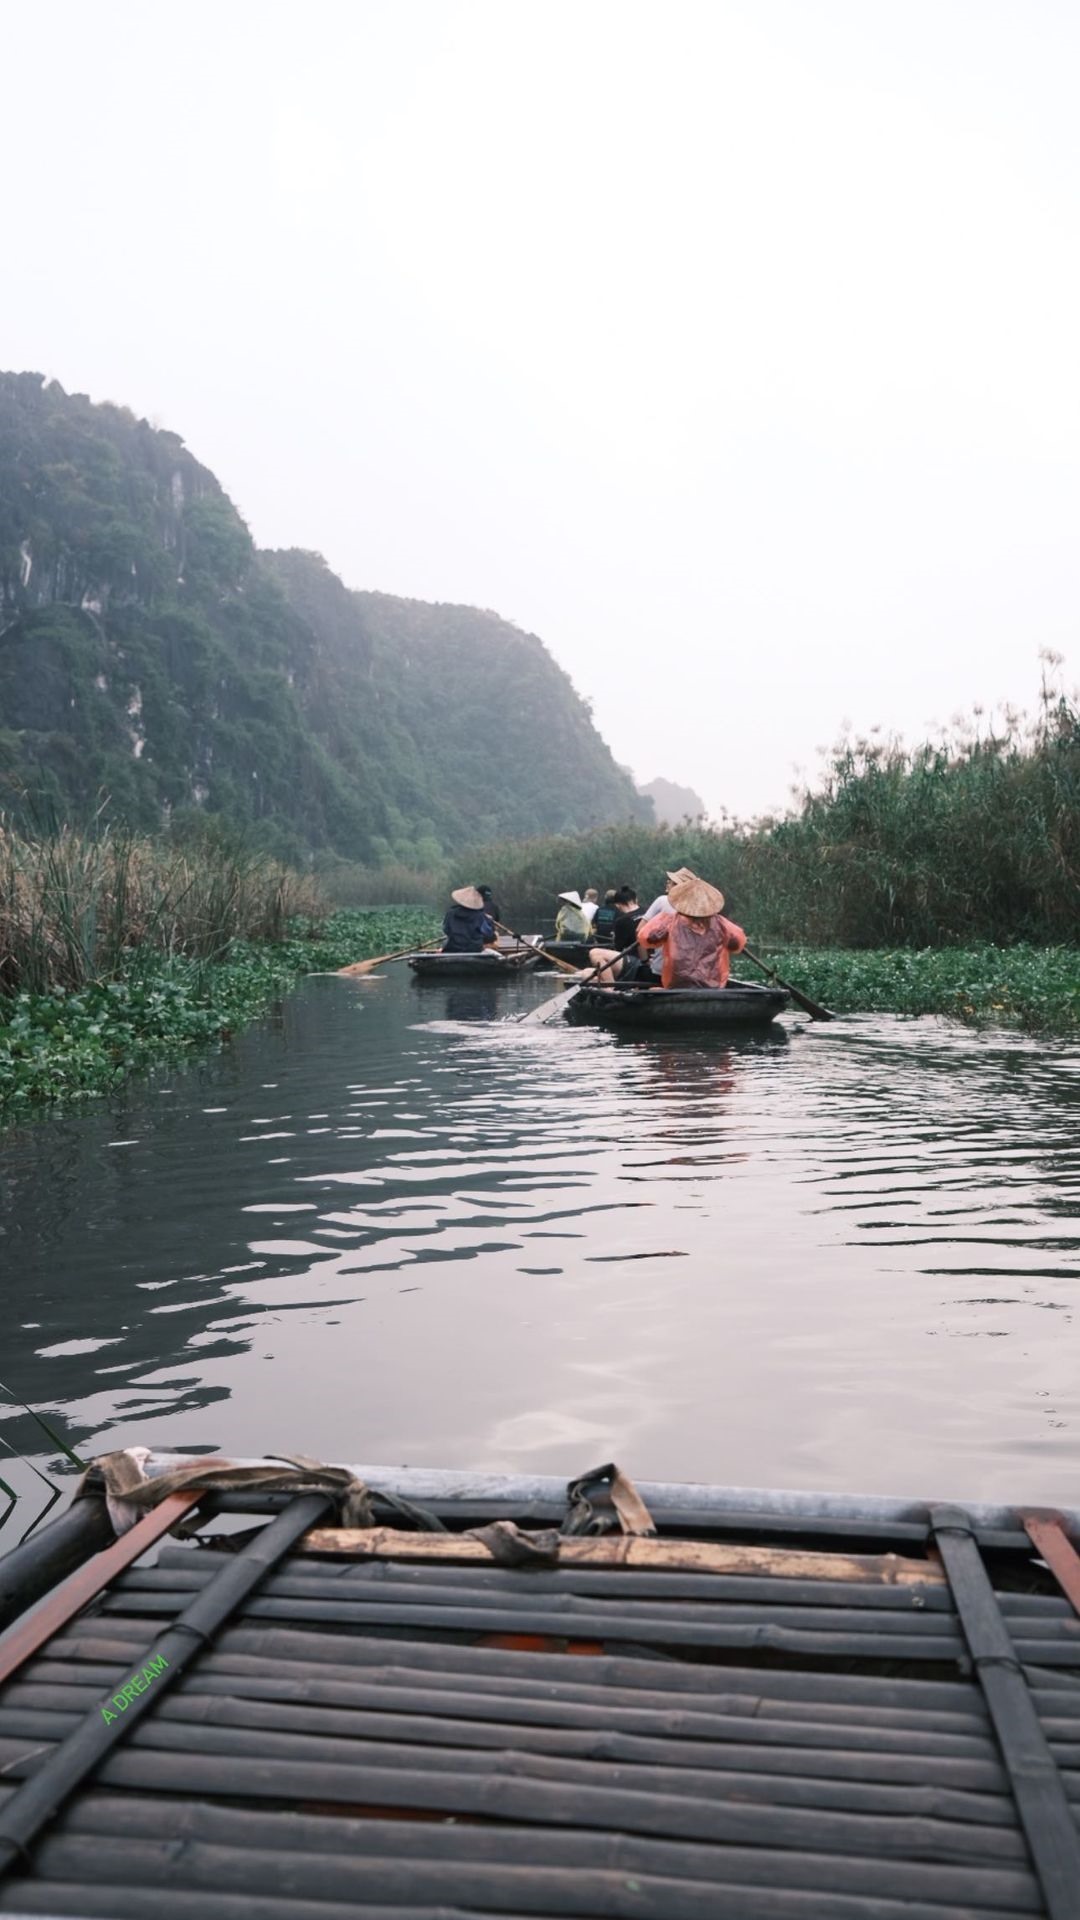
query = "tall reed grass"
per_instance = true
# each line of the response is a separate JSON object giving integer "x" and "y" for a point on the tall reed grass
{"x": 75, "y": 905}
{"x": 971, "y": 839}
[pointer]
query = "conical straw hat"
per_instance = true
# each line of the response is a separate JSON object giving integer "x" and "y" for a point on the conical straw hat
{"x": 573, "y": 896}
{"x": 681, "y": 873}
{"x": 467, "y": 897}
{"x": 696, "y": 899}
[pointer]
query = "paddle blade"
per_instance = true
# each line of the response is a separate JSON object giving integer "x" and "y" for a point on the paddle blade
{"x": 551, "y": 1010}
{"x": 802, "y": 1000}
{"x": 361, "y": 968}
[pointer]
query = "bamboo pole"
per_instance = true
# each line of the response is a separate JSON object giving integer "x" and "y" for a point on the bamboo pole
{"x": 529, "y": 1797}
{"x": 114, "y": 1817}
{"x": 51, "y": 1712}
{"x": 392, "y": 1844}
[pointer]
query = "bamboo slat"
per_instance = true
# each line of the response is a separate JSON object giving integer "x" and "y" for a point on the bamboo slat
{"x": 466, "y": 1741}
{"x": 545, "y": 1888}
{"x": 499, "y": 1795}
{"x": 111, "y": 1817}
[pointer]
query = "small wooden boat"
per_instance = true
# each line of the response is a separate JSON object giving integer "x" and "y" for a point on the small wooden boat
{"x": 739, "y": 1005}
{"x": 574, "y": 952}
{"x": 754, "y": 1702}
{"x": 488, "y": 966}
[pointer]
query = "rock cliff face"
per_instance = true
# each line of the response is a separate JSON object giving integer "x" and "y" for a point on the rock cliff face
{"x": 149, "y": 652}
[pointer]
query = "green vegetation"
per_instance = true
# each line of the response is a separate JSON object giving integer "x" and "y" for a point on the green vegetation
{"x": 149, "y": 653}
{"x": 1034, "y": 988}
{"x": 56, "y": 1046}
{"x": 974, "y": 839}
{"x": 116, "y": 953}
{"x": 323, "y": 945}
{"x": 74, "y": 907}
{"x": 940, "y": 880}
{"x": 161, "y": 1007}
{"x": 970, "y": 842}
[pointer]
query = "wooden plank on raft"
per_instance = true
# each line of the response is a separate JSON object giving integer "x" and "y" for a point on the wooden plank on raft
{"x": 627, "y": 1550}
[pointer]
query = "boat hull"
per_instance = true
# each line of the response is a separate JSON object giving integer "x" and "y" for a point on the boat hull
{"x": 574, "y": 952}
{"x": 485, "y": 967}
{"x": 727, "y": 1007}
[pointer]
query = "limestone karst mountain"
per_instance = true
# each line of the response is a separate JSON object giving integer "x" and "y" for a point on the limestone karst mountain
{"x": 149, "y": 652}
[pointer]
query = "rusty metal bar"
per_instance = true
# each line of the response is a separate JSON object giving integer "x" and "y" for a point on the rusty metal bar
{"x": 65, "y": 1769}
{"x": 1048, "y": 1537}
{"x": 87, "y": 1582}
{"x": 51, "y": 1553}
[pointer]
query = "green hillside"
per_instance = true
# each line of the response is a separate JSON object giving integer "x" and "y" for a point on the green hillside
{"x": 149, "y": 652}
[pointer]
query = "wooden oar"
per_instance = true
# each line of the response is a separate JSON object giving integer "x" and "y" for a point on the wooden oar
{"x": 521, "y": 940}
{"x": 360, "y": 967}
{"x": 801, "y": 999}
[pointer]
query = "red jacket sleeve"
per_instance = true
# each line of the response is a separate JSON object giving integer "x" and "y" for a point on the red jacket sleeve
{"x": 655, "y": 931}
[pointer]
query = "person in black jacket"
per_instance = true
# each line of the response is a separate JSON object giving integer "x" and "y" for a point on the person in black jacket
{"x": 621, "y": 950}
{"x": 490, "y": 904}
{"x": 467, "y": 926}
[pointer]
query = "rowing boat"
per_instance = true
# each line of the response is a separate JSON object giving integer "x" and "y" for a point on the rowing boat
{"x": 739, "y": 1005}
{"x": 487, "y": 966}
{"x": 574, "y": 952}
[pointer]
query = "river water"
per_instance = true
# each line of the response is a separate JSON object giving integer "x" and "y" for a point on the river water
{"x": 389, "y": 1224}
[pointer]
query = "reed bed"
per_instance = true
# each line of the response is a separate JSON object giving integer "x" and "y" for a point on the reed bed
{"x": 970, "y": 841}
{"x": 75, "y": 906}
{"x": 118, "y": 952}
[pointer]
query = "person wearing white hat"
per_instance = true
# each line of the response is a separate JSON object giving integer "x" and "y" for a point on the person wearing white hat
{"x": 468, "y": 926}
{"x": 696, "y": 940}
{"x": 571, "y": 921}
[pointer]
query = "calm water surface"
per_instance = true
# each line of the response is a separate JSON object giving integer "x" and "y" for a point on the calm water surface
{"x": 387, "y": 1224}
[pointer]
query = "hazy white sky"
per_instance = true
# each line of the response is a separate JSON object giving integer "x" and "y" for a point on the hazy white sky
{"x": 733, "y": 346}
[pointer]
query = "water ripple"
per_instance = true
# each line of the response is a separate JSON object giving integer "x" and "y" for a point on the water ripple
{"x": 844, "y": 1256}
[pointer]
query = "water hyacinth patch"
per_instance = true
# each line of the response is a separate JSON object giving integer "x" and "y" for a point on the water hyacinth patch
{"x": 161, "y": 1007}
{"x": 1034, "y": 988}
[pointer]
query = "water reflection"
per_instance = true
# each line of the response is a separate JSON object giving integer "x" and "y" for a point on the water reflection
{"x": 392, "y": 1224}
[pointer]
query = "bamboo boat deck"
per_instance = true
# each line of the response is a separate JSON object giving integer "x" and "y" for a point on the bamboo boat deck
{"x": 753, "y": 1715}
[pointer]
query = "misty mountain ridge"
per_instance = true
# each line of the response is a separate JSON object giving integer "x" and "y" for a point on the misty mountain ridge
{"x": 673, "y": 804}
{"x": 150, "y": 652}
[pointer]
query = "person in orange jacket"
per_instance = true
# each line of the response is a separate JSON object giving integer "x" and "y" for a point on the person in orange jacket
{"x": 696, "y": 939}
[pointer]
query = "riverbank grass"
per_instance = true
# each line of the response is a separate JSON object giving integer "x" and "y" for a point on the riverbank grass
{"x": 160, "y": 1007}
{"x": 1036, "y": 989}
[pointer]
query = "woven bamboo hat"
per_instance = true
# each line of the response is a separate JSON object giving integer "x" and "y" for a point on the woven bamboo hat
{"x": 573, "y": 896}
{"x": 696, "y": 899}
{"x": 681, "y": 873}
{"x": 467, "y": 897}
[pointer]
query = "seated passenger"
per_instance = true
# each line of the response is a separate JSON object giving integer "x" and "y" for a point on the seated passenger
{"x": 695, "y": 938}
{"x": 570, "y": 922}
{"x": 492, "y": 911}
{"x": 603, "y": 926}
{"x": 590, "y": 904}
{"x": 620, "y": 953}
{"x": 467, "y": 926}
